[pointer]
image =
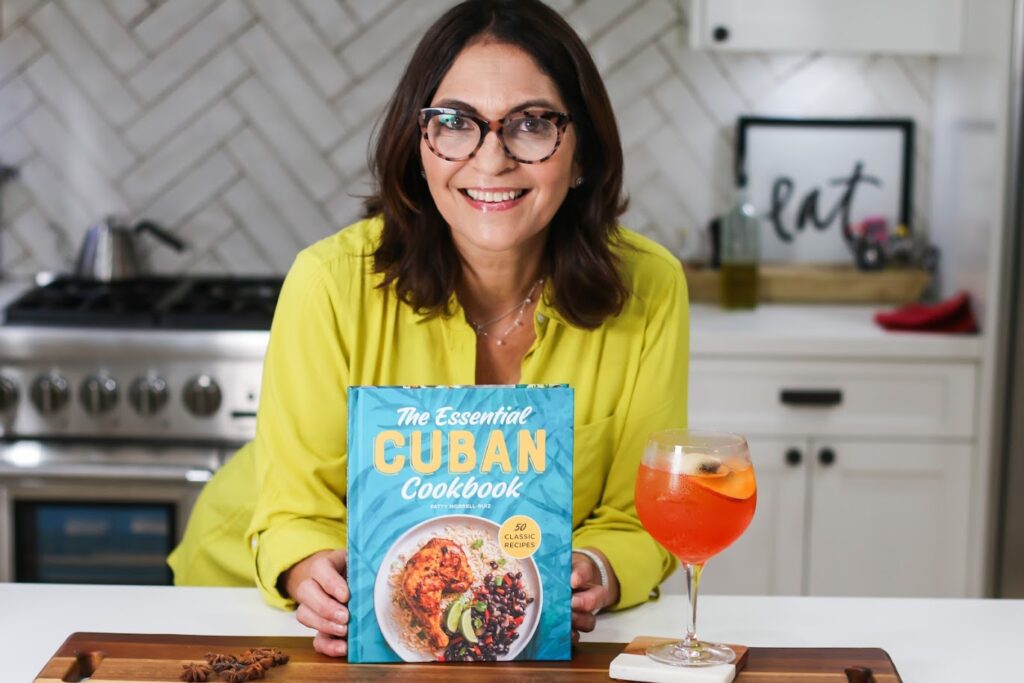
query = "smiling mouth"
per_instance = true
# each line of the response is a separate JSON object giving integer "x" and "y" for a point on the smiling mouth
{"x": 493, "y": 197}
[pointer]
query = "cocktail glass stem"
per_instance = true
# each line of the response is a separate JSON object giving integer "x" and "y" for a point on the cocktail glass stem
{"x": 690, "y": 651}
{"x": 693, "y": 572}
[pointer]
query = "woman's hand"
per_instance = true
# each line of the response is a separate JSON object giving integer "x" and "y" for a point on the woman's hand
{"x": 318, "y": 584}
{"x": 589, "y": 595}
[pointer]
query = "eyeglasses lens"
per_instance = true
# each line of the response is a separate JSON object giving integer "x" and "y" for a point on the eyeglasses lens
{"x": 530, "y": 138}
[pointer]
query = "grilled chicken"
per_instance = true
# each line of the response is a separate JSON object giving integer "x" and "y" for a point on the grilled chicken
{"x": 439, "y": 567}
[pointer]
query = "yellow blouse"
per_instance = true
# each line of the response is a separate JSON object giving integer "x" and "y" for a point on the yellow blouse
{"x": 333, "y": 328}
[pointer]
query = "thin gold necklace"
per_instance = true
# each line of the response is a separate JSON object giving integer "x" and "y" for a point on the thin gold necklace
{"x": 481, "y": 328}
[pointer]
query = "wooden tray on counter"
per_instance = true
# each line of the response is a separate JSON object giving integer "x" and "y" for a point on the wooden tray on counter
{"x": 120, "y": 657}
{"x": 818, "y": 284}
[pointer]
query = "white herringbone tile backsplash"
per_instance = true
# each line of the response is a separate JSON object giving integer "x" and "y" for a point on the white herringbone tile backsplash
{"x": 242, "y": 125}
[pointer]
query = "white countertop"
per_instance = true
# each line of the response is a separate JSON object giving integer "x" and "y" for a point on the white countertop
{"x": 773, "y": 330}
{"x": 931, "y": 641}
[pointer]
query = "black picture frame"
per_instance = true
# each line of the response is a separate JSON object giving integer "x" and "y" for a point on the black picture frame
{"x": 749, "y": 126}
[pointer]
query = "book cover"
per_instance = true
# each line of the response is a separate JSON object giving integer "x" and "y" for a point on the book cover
{"x": 459, "y": 523}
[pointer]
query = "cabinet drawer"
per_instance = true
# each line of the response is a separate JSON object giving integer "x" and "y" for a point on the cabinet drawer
{"x": 909, "y": 26}
{"x": 842, "y": 398}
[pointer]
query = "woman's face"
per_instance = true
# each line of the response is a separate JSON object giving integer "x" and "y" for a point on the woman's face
{"x": 490, "y": 80}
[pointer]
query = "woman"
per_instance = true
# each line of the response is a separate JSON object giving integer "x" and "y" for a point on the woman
{"x": 491, "y": 254}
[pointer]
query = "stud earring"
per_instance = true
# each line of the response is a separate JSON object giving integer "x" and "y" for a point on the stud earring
{"x": 423, "y": 174}
{"x": 578, "y": 181}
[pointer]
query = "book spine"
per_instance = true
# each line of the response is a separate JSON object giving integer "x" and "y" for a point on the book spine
{"x": 354, "y": 535}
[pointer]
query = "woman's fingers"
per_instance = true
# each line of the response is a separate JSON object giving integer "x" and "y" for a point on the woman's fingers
{"x": 318, "y": 584}
{"x": 584, "y": 573}
{"x": 311, "y": 594}
{"x": 321, "y": 599}
{"x": 590, "y": 600}
{"x": 588, "y": 595}
{"x": 583, "y": 621}
{"x": 327, "y": 571}
{"x": 576, "y": 578}
{"x": 575, "y": 637}
{"x": 585, "y": 604}
{"x": 307, "y": 617}
{"x": 330, "y": 646}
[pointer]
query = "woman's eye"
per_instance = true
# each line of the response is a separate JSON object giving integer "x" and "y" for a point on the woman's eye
{"x": 530, "y": 125}
{"x": 453, "y": 122}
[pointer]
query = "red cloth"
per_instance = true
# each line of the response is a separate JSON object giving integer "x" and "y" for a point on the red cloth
{"x": 954, "y": 315}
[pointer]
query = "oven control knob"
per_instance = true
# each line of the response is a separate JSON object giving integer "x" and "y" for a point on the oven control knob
{"x": 202, "y": 396}
{"x": 98, "y": 394}
{"x": 148, "y": 395}
{"x": 8, "y": 393}
{"x": 50, "y": 393}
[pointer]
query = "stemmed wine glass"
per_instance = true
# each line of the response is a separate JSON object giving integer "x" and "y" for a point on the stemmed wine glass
{"x": 695, "y": 494}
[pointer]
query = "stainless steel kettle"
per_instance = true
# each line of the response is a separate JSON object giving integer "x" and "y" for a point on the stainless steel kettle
{"x": 110, "y": 250}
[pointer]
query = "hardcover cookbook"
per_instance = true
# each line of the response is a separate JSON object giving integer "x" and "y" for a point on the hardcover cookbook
{"x": 459, "y": 523}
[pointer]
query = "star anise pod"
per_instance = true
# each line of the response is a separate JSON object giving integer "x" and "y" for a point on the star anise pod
{"x": 219, "y": 661}
{"x": 194, "y": 672}
{"x": 256, "y": 656}
{"x": 255, "y": 670}
{"x": 278, "y": 656}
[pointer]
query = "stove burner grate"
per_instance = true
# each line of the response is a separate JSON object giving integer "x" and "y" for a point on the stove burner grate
{"x": 227, "y": 303}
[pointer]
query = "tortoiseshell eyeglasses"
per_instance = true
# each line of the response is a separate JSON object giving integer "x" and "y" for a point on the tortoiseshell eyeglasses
{"x": 529, "y": 136}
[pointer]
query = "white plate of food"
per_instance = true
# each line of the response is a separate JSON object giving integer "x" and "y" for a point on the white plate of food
{"x": 445, "y": 591}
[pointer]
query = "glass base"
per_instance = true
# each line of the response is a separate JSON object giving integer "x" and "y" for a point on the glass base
{"x": 692, "y": 653}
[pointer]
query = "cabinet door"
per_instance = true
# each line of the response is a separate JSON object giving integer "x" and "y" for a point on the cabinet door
{"x": 896, "y": 26}
{"x": 767, "y": 559}
{"x": 888, "y": 519}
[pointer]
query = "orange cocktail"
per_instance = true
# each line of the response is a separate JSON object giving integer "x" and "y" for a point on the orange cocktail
{"x": 695, "y": 494}
{"x": 696, "y": 516}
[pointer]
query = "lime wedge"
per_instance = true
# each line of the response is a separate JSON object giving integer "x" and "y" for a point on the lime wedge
{"x": 467, "y": 626}
{"x": 454, "y": 614}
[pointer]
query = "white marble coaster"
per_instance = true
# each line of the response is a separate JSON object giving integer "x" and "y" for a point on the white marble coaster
{"x": 637, "y": 667}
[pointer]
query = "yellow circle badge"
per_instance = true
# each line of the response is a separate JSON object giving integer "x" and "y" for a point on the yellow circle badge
{"x": 519, "y": 536}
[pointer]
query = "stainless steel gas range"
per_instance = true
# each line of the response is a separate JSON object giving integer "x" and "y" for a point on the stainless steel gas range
{"x": 117, "y": 402}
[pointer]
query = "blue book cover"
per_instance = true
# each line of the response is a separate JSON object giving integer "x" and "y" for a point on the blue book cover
{"x": 459, "y": 523}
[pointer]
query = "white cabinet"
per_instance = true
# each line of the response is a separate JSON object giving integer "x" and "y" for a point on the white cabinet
{"x": 856, "y": 518}
{"x": 888, "y": 519}
{"x": 891, "y": 26}
{"x": 863, "y": 474}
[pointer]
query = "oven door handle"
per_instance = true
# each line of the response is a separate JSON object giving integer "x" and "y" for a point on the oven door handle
{"x": 64, "y": 470}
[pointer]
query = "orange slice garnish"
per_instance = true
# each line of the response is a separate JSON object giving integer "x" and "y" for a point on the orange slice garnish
{"x": 739, "y": 485}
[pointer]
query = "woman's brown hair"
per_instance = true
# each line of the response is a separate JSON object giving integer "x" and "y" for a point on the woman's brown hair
{"x": 416, "y": 251}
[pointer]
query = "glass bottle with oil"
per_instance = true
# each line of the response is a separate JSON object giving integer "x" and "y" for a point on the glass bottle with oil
{"x": 740, "y": 253}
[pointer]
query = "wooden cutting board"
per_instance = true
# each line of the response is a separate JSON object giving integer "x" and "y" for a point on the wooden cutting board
{"x": 122, "y": 657}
